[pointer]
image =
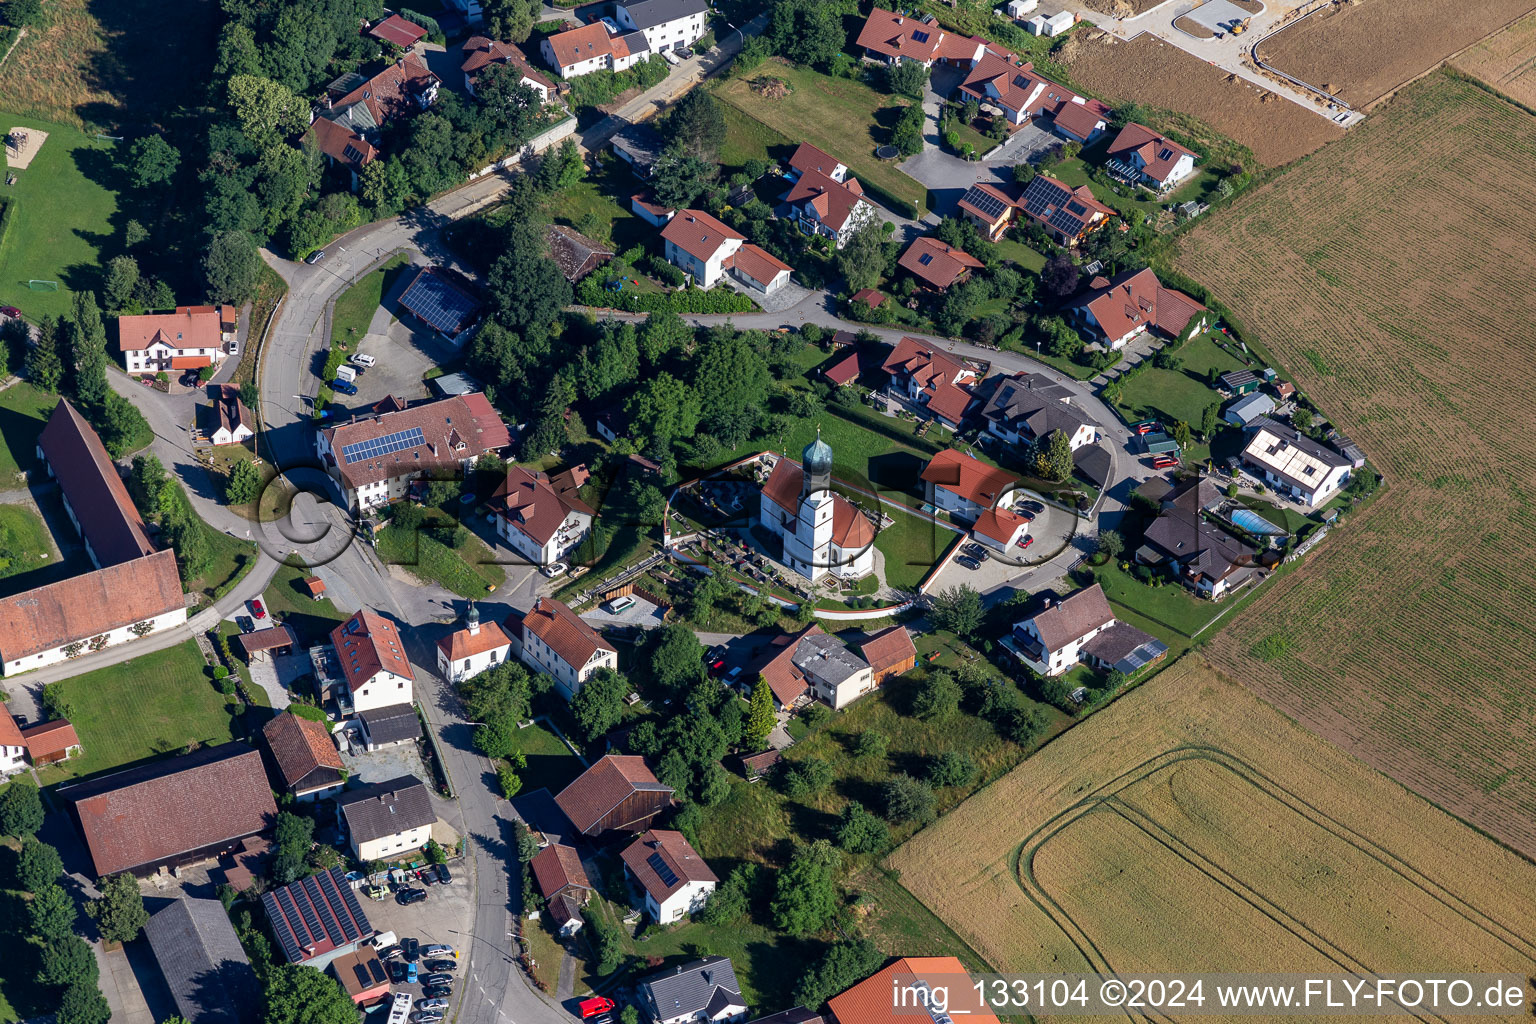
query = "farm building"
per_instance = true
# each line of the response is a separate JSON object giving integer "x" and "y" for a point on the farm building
{"x": 617, "y": 794}
{"x": 1248, "y": 408}
{"x": 1239, "y": 382}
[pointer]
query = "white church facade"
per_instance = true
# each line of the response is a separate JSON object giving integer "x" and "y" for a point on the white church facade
{"x": 823, "y": 532}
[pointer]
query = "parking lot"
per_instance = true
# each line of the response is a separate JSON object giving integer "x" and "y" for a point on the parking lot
{"x": 1052, "y": 529}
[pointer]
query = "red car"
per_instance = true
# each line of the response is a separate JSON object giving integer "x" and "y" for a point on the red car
{"x": 717, "y": 667}
{"x": 594, "y": 1006}
{"x": 10, "y": 311}
{"x": 1029, "y": 539}
{"x": 258, "y": 609}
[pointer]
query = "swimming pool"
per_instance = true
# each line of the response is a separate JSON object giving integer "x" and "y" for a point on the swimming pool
{"x": 1255, "y": 523}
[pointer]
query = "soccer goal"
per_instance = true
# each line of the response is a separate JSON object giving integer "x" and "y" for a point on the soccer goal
{"x": 43, "y": 286}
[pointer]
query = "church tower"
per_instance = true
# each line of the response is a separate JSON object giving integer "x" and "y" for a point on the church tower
{"x": 814, "y": 526}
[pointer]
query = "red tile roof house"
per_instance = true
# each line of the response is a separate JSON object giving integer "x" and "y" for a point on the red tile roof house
{"x": 930, "y": 379}
{"x": 395, "y": 29}
{"x": 936, "y": 265}
{"x": 374, "y": 662}
{"x": 844, "y": 372}
{"x": 808, "y": 158}
{"x": 760, "y": 270}
{"x": 541, "y": 521}
{"x": 990, "y": 207}
{"x": 617, "y": 795}
{"x": 1118, "y": 310}
{"x": 889, "y": 38}
{"x": 698, "y": 244}
{"x": 966, "y": 487}
{"x": 562, "y": 881}
{"x": 481, "y": 53}
{"x": 1024, "y": 95}
{"x": 552, "y": 639}
{"x": 13, "y": 747}
{"x": 581, "y": 51}
{"x": 1068, "y": 215}
{"x": 828, "y": 208}
{"x": 669, "y": 873}
{"x": 174, "y": 812}
{"x": 135, "y": 591}
{"x": 1026, "y": 408}
{"x": 51, "y": 742}
{"x": 1139, "y": 154}
{"x": 346, "y": 127}
{"x": 810, "y": 665}
{"x": 871, "y": 1002}
{"x": 189, "y": 339}
{"x": 1001, "y": 528}
{"x": 465, "y": 653}
{"x": 303, "y": 757}
{"x": 373, "y": 459}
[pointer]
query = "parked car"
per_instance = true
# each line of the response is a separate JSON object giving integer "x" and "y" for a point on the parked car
{"x": 364, "y": 360}
{"x": 259, "y": 608}
{"x": 426, "y": 876}
{"x": 391, "y": 952}
{"x": 433, "y": 1004}
{"x": 968, "y": 562}
{"x": 595, "y": 1006}
{"x": 401, "y": 972}
{"x": 427, "y": 1016}
{"x": 442, "y": 965}
{"x": 975, "y": 550}
{"x": 717, "y": 667}
{"x": 443, "y": 874}
{"x": 315, "y": 257}
{"x": 1032, "y": 507}
{"x": 437, "y": 949}
{"x": 437, "y": 979}
{"x": 554, "y": 569}
{"x": 189, "y": 379}
{"x": 10, "y": 311}
{"x": 343, "y": 387}
{"x": 405, "y": 897}
{"x": 1164, "y": 462}
{"x": 733, "y": 675}
{"x": 437, "y": 991}
{"x": 1027, "y": 541}
{"x": 245, "y": 623}
{"x": 410, "y": 947}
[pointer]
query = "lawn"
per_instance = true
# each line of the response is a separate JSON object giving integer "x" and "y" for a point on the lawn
{"x": 286, "y": 599}
{"x": 62, "y": 211}
{"x": 911, "y": 545}
{"x": 23, "y": 540}
{"x": 468, "y": 571}
{"x": 747, "y": 138}
{"x": 1167, "y": 396}
{"x": 24, "y": 410}
{"x": 1170, "y": 605}
{"x": 551, "y": 765}
{"x": 869, "y": 449}
{"x": 355, "y": 307}
{"x": 1021, "y": 254}
{"x": 845, "y": 118}
{"x": 153, "y": 705}
{"x": 599, "y": 207}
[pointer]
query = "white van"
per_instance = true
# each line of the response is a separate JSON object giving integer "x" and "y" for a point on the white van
{"x": 620, "y": 605}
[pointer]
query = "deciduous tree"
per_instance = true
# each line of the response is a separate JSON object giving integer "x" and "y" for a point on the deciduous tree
{"x": 805, "y": 898}
{"x": 958, "y": 610}
{"x": 599, "y": 704}
{"x": 295, "y": 994}
{"x": 152, "y": 160}
{"x": 908, "y": 799}
{"x": 39, "y": 864}
{"x": 861, "y": 831}
{"x": 21, "y": 809}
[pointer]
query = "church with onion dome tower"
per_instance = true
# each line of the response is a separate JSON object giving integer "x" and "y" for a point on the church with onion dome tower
{"x": 823, "y": 532}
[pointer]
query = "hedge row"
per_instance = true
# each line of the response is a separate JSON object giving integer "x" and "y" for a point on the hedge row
{"x": 688, "y": 300}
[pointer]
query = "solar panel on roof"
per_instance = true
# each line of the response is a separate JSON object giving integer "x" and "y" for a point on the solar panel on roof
{"x": 918, "y": 37}
{"x": 353, "y": 907}
{"x": 1076, "y": 208}
{"x": 311, "y": 919}
{"x": 387, "y": 444}
{"x": 663, "y": 870}
{"x": 377, "y": 970}
{"x": 279, "y": 927}
{"x": 335, "y": 903}
{"x": 925, "y": 259}
{"x": 360, "y": 971}
{"x": 442, "y": 306}
{"x": 986, "y": 202}
{"x": 322, "y": 910}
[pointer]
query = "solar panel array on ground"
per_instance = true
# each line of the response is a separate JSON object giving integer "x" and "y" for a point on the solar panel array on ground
{"x": 387, "y": 444}
{"x": 440, "y": 303}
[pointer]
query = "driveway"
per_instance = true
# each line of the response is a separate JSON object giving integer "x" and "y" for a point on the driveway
{"x": 948, "y": 176}
{"x": 787, "y": 297}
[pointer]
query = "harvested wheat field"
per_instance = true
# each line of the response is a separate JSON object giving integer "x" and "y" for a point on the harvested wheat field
{"x": 1506, "y": 60}
{"x": 1363, "y": 51}
{"x": 1154, "y": 73}
{"x": 1192, "y": 827}
{"x": 1392, "y": 274}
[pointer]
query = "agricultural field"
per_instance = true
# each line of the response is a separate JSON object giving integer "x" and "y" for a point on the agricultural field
{"x": 1362, "y": 52}
{"x": 1157, "y": 74}
{"x": 1191, "y": 827}
{"x": 1398, "y": 312}
{"x": 845, "y": 118}
{"x": 1506, "y": 60}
